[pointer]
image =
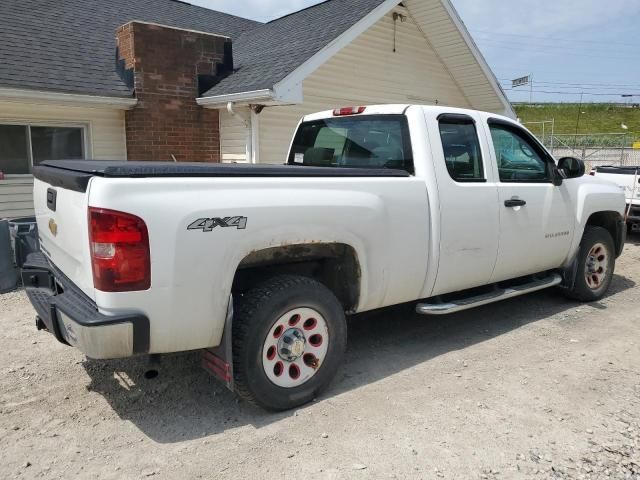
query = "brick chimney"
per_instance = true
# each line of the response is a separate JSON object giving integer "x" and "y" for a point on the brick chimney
{"x": 168, "y": 68}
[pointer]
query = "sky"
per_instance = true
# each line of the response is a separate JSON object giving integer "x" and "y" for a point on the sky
{"x": 573, "y": 49}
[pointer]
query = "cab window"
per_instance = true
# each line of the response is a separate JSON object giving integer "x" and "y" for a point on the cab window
{"x": 461, "y": 148}
{"x": 519, "y": 159}
{"x": 368, "y": 141}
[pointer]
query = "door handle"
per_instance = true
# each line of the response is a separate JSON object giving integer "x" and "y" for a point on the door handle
{"x": 514, "y": 202}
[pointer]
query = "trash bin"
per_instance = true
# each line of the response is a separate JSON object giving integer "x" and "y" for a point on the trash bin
{"x": 8, "y": 272}
{"x": 24, "y": 238}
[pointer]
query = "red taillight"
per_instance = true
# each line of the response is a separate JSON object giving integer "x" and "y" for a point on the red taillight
{"x": 119, "y": 244}
{"x": 340, "y": 112}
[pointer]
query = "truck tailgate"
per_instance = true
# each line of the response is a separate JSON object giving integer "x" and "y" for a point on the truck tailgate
{"x": 62, "y": 219}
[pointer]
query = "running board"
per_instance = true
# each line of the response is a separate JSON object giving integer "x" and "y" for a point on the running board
{"x": 495, "y": 296}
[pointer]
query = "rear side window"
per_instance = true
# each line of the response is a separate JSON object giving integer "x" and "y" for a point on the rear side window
{"x": 371, "y": 141}
{"x": 461, "y": 148}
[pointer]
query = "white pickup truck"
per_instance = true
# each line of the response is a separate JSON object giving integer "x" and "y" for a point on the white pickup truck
{"x": 628, "y": 178}
{"x": 257, "y": 265}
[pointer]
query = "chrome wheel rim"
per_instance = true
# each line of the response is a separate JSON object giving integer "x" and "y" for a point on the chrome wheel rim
{"x": 597, "y": 265}
{"x": 295, "y": 348}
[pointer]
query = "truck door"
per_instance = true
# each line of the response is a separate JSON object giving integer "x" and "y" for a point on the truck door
{"x": 468, "y": 203}
{"x": 536, "y": 217}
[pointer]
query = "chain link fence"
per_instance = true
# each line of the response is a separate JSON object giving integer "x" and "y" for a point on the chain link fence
{"x": 593, "y": 148}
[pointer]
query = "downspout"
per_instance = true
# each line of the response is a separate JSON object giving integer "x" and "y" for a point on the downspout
{"x": 255, "y": 134}
{"x": 249, "y": 127}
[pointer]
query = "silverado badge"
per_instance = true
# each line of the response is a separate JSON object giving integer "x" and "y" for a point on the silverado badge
{"x": 53, "y": 227}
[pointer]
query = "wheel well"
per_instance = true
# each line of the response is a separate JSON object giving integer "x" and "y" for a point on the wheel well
{"x": 610, "y": 221}
{"x": 333, "y": 264}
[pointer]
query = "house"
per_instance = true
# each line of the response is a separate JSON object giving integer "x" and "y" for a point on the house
{"x": 165, "y": 80}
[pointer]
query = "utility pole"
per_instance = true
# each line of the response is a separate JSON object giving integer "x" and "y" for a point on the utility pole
{"x": 575, "y": 139}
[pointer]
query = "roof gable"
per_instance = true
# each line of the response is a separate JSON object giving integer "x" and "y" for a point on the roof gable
{"x": 69, "y": 46}
{"x": 448, "y": 35}
{"x": 272, "y": 60}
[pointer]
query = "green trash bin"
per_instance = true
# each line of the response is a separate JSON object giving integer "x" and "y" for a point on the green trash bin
{"x": 8, "y": 272}
{"x": 24, "y": 238}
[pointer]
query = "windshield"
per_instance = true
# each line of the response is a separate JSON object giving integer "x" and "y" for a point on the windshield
{"x": 372, "y": 141}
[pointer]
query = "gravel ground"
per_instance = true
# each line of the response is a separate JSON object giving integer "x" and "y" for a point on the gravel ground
{"x": 536, "y": 387}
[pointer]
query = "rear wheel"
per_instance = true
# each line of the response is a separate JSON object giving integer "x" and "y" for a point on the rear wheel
{"x": 289, "y": 338}
{"x": 596, "y": 264}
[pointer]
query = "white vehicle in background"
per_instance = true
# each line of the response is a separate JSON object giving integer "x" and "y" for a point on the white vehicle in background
{"x": 257, "y": 265}
{"x": 628, "y": 178}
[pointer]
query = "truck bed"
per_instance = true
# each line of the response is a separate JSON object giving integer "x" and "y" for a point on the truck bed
{"x": 626, "y": 177}
{"x": 75, "y": 174}
{"x": 619, "y": 170}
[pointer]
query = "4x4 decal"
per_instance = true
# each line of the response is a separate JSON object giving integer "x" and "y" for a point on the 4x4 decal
{"x": 208, "y": 224}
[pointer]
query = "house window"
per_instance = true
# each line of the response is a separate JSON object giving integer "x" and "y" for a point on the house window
{"x": 24, "y": 146}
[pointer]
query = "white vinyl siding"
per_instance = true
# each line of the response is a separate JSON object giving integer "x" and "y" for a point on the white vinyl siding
{"x": 105, "y": 131}
{"x": 233, "y": 137}
{"x": 365, "y": 72}
{"x": 16, "y": 197}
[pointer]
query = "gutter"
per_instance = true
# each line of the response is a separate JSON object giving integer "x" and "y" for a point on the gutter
{"x": 255, "y": 96}
{"x": 15, "y": 94}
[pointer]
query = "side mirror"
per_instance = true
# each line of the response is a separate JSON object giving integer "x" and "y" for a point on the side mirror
{"x": 557, "y": 177}
{"x": 570, "y": 167}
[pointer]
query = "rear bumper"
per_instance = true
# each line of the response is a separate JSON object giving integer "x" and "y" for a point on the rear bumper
{"x": 73, "y": 318}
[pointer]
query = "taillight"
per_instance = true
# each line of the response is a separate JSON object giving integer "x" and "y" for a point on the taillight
{"x": 340, "y": 112}
{"x": 120, "y": 256}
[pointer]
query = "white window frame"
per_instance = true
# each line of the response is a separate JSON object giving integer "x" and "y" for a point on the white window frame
{"x": 86, "y": 140}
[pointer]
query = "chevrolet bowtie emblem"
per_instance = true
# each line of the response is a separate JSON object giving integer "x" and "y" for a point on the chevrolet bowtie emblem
{"x": 53, "y": 227}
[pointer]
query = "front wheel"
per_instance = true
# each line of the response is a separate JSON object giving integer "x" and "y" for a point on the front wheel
{"x": 289, "y": 339}
{"x": 596, "y": 264}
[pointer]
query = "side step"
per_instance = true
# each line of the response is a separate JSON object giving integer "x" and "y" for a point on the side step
{"x": 495, "y": 296}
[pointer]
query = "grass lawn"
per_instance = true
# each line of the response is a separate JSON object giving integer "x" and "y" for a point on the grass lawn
{"x": 594, "y": 118}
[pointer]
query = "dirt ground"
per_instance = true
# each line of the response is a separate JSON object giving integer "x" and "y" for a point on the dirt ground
{"x": 536, "y": 387}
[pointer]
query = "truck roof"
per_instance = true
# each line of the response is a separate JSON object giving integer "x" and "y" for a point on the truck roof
{"x": 401, "y": 108}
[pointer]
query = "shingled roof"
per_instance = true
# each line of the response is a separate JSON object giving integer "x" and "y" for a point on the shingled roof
{"x": 69, "y": 46}
{"x": 268, "y": 53}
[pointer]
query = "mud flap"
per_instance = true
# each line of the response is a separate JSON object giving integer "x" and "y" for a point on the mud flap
{"x": 218, "y": 361}
{"x": 621, "y": 237}
{"x": 569, "y": 274}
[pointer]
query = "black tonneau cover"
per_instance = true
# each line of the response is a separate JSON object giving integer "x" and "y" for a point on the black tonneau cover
{"x": 618, "y": 170}
{"x": 75, "y": 174}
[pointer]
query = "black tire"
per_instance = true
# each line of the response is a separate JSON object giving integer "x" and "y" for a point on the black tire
{"x": 256, "y": 313}
{"x": 581, "y": 290}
